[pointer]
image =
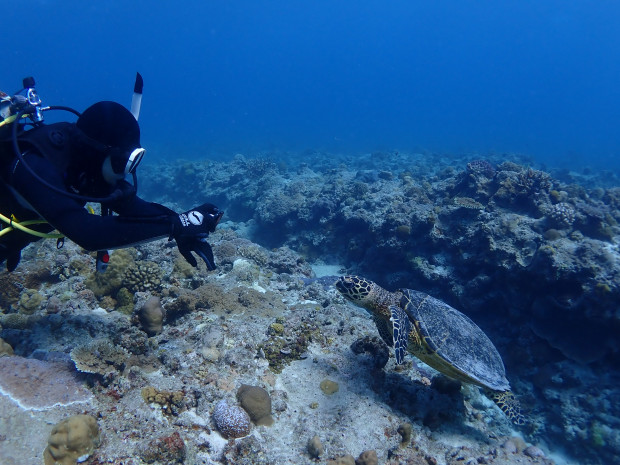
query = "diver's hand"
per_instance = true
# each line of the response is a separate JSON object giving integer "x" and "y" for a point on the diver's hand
{"x": 199, "y": 221}
{"x": 200, "y": 246}
{"x": 191, "y": 230}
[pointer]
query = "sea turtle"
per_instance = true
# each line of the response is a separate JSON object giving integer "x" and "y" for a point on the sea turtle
{"x": 439, "y": 335}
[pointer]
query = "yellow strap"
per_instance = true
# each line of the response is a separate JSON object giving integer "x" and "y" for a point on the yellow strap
{"x": 9, "y": 120}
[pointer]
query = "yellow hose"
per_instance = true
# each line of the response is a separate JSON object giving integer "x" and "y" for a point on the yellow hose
{"x": 22, "y": 227}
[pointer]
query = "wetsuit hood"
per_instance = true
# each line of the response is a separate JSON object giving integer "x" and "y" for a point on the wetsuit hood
{"x": 110, "y": 124}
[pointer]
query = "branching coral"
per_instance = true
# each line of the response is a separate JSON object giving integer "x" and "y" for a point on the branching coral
{"x": 561, "y": 214}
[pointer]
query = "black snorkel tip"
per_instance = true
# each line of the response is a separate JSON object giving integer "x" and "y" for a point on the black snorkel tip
{"x": 139, "y": 84}
{"x": 28, "y": 82}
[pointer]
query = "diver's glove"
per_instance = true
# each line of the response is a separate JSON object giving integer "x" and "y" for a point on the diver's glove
{"x": 191, "y": 229}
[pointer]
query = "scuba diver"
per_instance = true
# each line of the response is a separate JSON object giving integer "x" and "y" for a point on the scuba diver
{"x": 48, "y": 174}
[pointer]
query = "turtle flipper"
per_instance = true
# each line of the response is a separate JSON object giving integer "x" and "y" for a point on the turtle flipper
{"x": 400, "y": 331}
{"x": 509, "y": 404}
{"x": 384, "y": 330}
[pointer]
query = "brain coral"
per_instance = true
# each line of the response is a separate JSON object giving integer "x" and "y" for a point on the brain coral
{"x": 143, "y": 276}
{"x": 72, "y": 440}
{"x": 231, "y": 420}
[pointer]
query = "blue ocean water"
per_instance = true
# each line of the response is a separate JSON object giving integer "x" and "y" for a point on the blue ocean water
{"x": 538, "y": 78}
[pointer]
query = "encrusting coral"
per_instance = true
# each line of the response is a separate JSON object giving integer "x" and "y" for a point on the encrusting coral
{"x": 72, "y": 440}
{"x": 151, "y": 316}
{"x": 5, "y": 348}
{"x": 171, "y": 401}
{"x": 256, "y": 401}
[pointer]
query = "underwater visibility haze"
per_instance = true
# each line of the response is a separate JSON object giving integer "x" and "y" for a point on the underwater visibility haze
{"x": 539, "y": 78}
{"x": 418, "y": 260}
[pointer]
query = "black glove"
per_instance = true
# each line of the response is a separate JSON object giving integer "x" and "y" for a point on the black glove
{"x": 191, "y": 230}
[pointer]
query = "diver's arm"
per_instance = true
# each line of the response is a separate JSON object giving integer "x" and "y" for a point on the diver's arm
{"x": 92, "y": 232}
{"x": 131, "y": 206}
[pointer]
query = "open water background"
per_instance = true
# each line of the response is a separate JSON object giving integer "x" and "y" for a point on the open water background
{"x": 537, "y": 78}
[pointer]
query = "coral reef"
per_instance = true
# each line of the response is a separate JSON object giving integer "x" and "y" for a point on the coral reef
{"x": 329, "y": 387}
{"x": 315, "y": 447}
{"x": 142, "y": 276}
{"x": 531, "y": 256}
{"x": 72, "y": 440}
{"x": 561, "y": 214}
{"x": 166, "y": 449}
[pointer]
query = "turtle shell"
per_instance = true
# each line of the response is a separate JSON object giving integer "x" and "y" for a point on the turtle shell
{"x": 456, "y": 339}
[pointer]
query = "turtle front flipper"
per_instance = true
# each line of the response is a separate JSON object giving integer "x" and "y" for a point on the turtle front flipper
{"x": 385, "y": 332}
{"x": 509, "y": 404}
{"x": 401, "y": 326}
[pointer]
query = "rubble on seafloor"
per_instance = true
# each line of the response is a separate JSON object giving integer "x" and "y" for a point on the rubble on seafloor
{"x": 533, "y": 260}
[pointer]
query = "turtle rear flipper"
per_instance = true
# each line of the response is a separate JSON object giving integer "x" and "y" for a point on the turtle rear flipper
{"x": 401, "y": 326}
{"x": 508, "y": 404}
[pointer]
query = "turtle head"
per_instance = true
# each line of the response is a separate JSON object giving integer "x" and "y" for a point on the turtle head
{"x": 356, "y": 289}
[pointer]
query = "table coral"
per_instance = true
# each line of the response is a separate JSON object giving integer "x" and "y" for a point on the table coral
{"x": 99, "y": 357}
{"x": 38, "y": 385}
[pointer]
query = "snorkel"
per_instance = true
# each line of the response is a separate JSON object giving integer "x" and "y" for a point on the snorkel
{"x": 136, "y": 99}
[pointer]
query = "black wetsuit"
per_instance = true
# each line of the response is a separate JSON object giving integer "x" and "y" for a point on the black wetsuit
{"x": 47, "y": 150}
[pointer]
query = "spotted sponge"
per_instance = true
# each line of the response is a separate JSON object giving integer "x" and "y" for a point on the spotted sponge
{"x": 231, "y": 420}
